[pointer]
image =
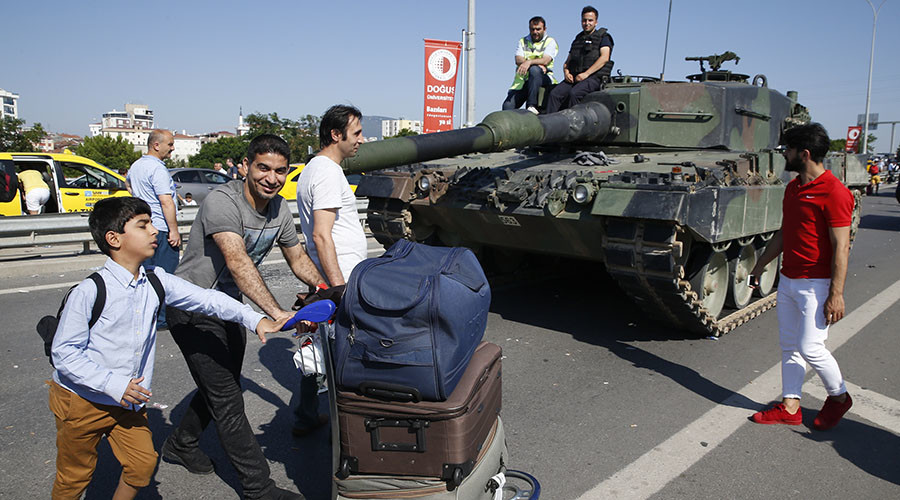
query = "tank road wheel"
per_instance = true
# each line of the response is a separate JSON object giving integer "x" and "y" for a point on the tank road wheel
{"x": 711, "y": 283}
{"x": 769, "y": 276}
{"x": 739, "y": 293}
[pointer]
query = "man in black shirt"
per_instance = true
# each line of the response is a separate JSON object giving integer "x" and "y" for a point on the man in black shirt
{"x": 587, "y": 65}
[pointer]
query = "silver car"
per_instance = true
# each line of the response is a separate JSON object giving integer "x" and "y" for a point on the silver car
{"x": 197, "y": 181}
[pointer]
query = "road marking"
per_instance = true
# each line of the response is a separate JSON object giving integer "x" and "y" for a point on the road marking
{"x": 34, "y": 288}
{"x": 876, "y": 408}
{"x": 655, "y": 469}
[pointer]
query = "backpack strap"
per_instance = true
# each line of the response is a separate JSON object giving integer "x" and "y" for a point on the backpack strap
{"x": 158, "y": 288}
{"x": 99, "y": 301}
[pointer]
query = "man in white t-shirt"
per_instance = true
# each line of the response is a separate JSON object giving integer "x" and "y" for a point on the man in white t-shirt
{"x": 330, "y": 222}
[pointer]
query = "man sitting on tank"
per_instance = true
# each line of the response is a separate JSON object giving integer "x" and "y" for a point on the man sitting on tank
{"x": 588, "y": 66}
{"x": 534, "y": 67}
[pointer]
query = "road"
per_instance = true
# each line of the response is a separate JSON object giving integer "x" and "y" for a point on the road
{"x": 599, "y": 400}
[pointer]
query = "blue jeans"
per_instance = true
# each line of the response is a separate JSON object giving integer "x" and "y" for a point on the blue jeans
{"x": 530, "y": 91}
{"x": 165, "y": 257}
{"x": 565, "y": 94}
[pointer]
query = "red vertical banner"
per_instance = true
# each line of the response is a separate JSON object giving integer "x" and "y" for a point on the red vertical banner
{"x": 853, "y": 134}
{"x": 441, "y": 63}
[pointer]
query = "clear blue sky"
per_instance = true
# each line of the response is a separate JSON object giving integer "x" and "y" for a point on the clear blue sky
{"x": 195, "y": 62}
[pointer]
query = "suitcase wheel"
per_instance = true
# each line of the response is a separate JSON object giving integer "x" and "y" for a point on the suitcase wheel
{"x": 457, "y": 478}
{"x": 343, "y": 471}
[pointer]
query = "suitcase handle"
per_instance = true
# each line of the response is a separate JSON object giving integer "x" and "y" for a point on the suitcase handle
{"x": 390, "y": 392}
{"x": 373, "y": 426}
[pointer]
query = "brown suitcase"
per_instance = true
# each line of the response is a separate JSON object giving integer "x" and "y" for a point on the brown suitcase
{"x": 426, "y": 438}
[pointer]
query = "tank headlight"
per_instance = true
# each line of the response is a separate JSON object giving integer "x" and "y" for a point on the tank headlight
{"x": 424, "y": 183}
{"x": 583, "y": 193}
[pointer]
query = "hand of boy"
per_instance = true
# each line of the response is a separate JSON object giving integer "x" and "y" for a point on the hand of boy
{"x": 267, "y": 325}
{"x": 134, "y": 393}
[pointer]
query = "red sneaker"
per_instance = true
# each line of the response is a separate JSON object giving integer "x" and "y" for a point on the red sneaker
{"x": 831, "y": 413}
{"x": 778, "y": 414}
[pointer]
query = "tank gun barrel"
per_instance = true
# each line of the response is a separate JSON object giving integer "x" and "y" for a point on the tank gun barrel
{"x": 499, "y": 131}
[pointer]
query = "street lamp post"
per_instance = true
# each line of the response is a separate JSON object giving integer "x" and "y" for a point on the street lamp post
{"x": 871, "y": 62}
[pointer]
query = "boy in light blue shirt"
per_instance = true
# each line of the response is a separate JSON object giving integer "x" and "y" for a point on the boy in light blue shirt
{"x": 103, "y": 373}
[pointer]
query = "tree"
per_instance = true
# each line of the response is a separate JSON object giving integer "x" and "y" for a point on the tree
{"x": 219, "y": 151}
{"x": 14, "y": 138}
{"x": 841, "y": 144}
{"x": 301, "y": 135}
{"x": 113, "y": 153}
{"x": 404, "y": 132}
{"x": 872, "y": 140}
{"x": 838, "y": 145}
{"x": 170, "y": 163}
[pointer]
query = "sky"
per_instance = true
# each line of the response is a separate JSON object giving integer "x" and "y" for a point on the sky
{"x": 196, "y": 63}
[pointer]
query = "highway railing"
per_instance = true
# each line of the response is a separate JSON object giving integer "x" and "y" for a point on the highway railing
{"x": 57, "y": 229}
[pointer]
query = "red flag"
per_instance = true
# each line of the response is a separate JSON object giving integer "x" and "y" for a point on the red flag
{"x": 441, "y": 63}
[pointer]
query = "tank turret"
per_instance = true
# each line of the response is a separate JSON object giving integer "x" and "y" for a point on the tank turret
{"x": 674, "y": 186}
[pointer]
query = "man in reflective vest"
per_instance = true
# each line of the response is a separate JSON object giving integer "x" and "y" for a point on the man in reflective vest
{"x": 588, "y": 65}
{"x": 534, "y": 66}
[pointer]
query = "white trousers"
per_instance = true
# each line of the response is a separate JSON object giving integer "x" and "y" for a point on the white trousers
{"x": 801, "y": 323}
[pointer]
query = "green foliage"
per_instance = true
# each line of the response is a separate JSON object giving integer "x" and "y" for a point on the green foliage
{"x": 301, "y": 135}
{"x": 170, "y": 163}
{"x": 840, "y": 144}
{"x": 219, "y": 151}
{"x": 871, "y": 148}
{"x": 404, "y": 132}
{"x": 13, "y": 138}
{"x": 113, "y": 153}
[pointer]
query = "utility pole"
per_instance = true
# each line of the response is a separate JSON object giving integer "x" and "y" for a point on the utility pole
{"x": 871, "y": 62}
{"x": 470, "y": 66}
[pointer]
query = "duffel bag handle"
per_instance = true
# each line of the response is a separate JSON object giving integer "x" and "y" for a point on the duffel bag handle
{"x": 390, "y": 392}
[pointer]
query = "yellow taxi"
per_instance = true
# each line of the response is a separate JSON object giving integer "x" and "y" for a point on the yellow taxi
{"x": 75, "y": 182}
{"x": 289, "y": 190}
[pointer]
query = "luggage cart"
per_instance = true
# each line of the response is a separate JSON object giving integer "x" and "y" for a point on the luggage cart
{"x": 512, "y": 484}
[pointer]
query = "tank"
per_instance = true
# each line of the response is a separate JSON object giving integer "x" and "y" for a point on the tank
{"x": 674, "y": 186}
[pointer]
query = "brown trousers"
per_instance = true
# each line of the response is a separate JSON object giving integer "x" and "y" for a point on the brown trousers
{"x": 79, "y": 426}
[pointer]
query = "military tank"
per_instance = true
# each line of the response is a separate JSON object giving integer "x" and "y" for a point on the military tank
{"x": 675, "y": 186}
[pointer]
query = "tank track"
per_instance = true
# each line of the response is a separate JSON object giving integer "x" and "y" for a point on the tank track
{"x": 646, "y": 260}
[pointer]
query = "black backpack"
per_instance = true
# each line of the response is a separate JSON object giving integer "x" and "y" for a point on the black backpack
{"x": 47, "y": 325}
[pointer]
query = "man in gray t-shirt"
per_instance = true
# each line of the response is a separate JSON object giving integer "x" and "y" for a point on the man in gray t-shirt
{"x": 226, "y": 210}
{"x": 236, "y": 227}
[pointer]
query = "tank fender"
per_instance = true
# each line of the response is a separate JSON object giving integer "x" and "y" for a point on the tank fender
{"x": 394, "y": 185}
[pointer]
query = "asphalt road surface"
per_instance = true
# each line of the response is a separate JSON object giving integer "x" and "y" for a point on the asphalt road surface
{"x": 599, "y": 400}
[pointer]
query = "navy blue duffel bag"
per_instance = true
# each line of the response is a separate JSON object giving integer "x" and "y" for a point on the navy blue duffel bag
{"x": 409, "y": 322}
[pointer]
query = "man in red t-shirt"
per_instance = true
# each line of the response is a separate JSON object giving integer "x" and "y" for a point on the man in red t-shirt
{"x": 815, "y": 240}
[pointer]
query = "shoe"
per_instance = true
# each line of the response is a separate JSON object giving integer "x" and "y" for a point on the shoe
{"x": 831, "y": 413}
{"x": 277, "y": 493}
{"x": 778, "y": 414}
{"x": 304, "y": 431}
{"x": 533, "y": 109}
{"x": 195, "y": 461}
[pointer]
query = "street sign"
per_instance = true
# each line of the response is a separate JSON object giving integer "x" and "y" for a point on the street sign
{"x": 873, "y": 120}
{"x": 853, "y": 134}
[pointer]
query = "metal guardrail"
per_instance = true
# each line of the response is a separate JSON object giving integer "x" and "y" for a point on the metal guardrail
{"x": 54, "y": 229}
